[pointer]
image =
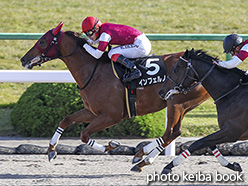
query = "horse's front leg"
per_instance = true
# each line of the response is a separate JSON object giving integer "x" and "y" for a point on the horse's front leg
{"x": 81, "y": 116}
{"x": 99, "y": 123}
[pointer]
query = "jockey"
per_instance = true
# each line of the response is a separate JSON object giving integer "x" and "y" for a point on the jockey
{"x": 132, "y": 43}
{"x": 238, "y": 48}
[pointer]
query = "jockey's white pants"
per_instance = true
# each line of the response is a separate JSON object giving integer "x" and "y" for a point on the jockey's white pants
{"x": 140, "y": 48}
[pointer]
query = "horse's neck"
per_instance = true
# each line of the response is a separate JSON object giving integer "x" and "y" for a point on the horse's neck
{"x": 81, "y": 65}
{"x": 217, "y": 82}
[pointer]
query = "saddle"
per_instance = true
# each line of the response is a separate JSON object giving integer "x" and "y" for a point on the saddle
{"x": 153, "y": 71}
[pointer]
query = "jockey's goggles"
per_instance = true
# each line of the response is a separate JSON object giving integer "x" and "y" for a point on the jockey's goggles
{"x": 90, "y": 32}
{"x": 232, "y": 52}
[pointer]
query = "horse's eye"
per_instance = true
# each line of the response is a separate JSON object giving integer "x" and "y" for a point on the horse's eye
{"x": 43, "y": 43}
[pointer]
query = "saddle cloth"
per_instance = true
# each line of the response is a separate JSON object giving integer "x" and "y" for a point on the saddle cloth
{"x": 151, "y": 67}
{"x": 153, "y": 71}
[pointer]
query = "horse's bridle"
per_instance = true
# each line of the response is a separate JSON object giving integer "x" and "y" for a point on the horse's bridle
{"x": 179, "y": 86}
{"x": 54, "y": 41}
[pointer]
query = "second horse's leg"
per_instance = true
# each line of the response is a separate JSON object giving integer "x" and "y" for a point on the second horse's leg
{"x": 223, "y": 161}
{"x": 221, "y": 136}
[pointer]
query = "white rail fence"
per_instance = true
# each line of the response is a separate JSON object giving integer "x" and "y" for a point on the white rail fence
{"x": 36, "y": 76}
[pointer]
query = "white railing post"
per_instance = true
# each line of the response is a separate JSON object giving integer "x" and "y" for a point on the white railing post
{"x": 170, "y": 150}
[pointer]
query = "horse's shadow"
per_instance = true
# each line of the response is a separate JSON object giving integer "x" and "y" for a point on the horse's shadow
{"x": 42, "y": 176}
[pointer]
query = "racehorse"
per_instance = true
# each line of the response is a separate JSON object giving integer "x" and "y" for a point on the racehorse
{"x": 103, "y": 93}
{"x": 228, "y": 90}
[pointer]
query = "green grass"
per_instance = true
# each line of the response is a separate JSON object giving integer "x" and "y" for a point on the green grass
{"x": 160, "y": 16}
{"x": 201, "y": 121}
{"x": 5, "y": 128}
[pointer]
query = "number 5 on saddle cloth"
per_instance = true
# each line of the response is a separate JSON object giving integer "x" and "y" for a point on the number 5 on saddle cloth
{"x": 153, "y": 71}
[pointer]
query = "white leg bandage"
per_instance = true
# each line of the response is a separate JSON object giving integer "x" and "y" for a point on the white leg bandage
{"x": 184, "y": 155}
{"x": 220, "y": 158}
{"x": 148, "y": 148}
{"x": 56, "y": 136}
{"x": 95, "y": 145}
{"x": 153, "y": 155}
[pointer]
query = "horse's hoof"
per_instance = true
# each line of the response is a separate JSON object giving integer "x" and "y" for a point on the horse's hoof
{"x": 166, "y": 171}
{"x": 237, "y": 167}
{"x": 136, "y": 160}
{"x": 114, "y": 144}
{"x": 136, "y": 168}
{"x": 52, "y": 155}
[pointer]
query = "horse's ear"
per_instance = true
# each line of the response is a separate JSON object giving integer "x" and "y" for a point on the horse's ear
{"x": 186, "y": 54}
{"x": 56, "y": 30}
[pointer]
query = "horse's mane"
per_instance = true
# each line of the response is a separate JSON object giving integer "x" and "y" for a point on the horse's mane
{"x": 81, "y": 41}
{"x": 202, "y": 55}
{"x": 76, "y": 36}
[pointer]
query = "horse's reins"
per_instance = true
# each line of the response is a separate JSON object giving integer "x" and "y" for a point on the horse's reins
{"x": 90, "y": 77}
{"x": 55, "y": 41}
{"x": 224, "y": 95}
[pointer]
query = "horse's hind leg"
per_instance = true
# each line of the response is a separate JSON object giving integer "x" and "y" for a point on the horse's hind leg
{"x": 81, "y": 116}
{"x": 157, "y": 150}
{"x": 176, "y": 110}
{"x": 147, "y": 149}
{"x": 221, "y": 136}
{"x": 154, "y": 154}
{"x": 174, "y": 113}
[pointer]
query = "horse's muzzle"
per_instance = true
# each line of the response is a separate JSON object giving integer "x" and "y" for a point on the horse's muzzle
{"x": 23, "y": 61}
{"x": 29, "y": 64}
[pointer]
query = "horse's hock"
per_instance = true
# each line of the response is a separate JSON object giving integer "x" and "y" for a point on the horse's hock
{"x": 227, "y": 149}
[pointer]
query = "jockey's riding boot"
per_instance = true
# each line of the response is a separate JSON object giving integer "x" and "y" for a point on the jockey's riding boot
{"x": 134, "y": 71}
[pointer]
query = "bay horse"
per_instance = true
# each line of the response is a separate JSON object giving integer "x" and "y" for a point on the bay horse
{"x": 226, "y": 87}
{"x": 103, "y": 94}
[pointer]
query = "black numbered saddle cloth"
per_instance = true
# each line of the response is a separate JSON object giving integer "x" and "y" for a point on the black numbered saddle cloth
{"x": 151, "y": 67}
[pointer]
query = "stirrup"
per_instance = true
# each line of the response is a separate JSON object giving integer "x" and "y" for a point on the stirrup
{"x": 131, "y": 76}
